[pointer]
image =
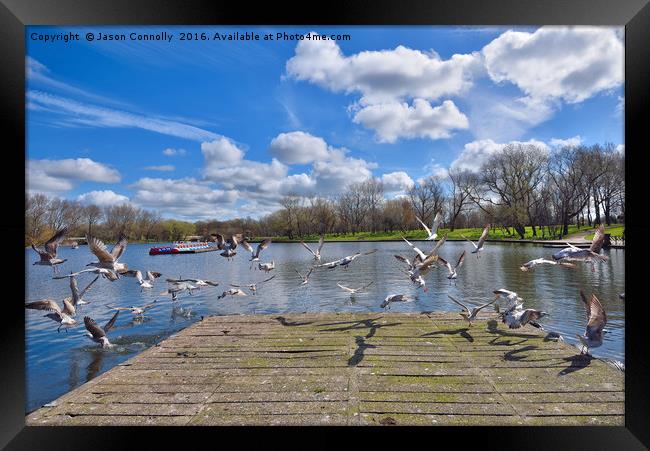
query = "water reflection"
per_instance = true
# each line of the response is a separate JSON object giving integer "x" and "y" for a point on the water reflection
{"x": 62, "y": 358}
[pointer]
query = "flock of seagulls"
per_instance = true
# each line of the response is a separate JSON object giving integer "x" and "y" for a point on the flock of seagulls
{"x": 417, "y": 267}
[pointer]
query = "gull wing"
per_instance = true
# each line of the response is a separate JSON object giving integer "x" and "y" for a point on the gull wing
{"x": 599, "y": 238}
{"x": 424, "y": 225}
{"x": 53, "y": 243}
{"x": 446, "y": 263}
{"x": 152, "y": 275}
{"x": 134, "y": 273}
{"x": 419, "y": 252}
{"x": 459, "y": 303}
{"x": 275, "y": 275}
{"x": 74, "y": 288}
{"x": 436, "y": 223}
{"x": 484, "y": 236}
{"x": 308, "y": 248}
{"x": 403, "y": 259}
{"x": 473, "y": 244}
{"x": 349, "y": 290}
{"x": 46, "y": 304}
{"x": 119, "y": 247}
{"x": 439, "y": 244}
{"x": 233, "y": 242}
{"x": 321, "y": 241}
{"x": 263, "y": 245}
{"x": 109, "y": 325}
{"x": 43, "y": 254}
{"x": 485, "y": 305}
{"x": 507, "y": 293}
{"x": 246, "y": 245}
{"x": 461, "y": 259}
{"x": 366, "y": 286}
{"x": 98, "y": 248}
{"x": 221, "y": 243}
{"x": 83, "y": 292}
{"x": 94, "y": 328}
{"x": 596, "y": 317}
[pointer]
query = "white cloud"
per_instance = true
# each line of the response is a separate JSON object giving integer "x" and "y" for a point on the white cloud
{"x": 385, "y": 75}
{"x": 396, "y": 181}
{"x": 59, "y": 175}
{"x": 476, "y": 153}
{"x": 163, "y": 168}
{"x": 569, "y": 142}
{"x": 399, "y": 120}
{"x": 102, "y": 198}
{"x": 298, "y": 148}
{"x": 568, "y": 63}
{"x": 77, "y": 113}
{"x": 170, "y": 152}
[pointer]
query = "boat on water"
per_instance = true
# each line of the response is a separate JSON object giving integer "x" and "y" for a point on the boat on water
{"x": 183, "y": 247}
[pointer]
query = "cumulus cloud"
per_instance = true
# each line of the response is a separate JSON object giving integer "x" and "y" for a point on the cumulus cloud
{"x": 102, "y": 198}
{"x": 59, "y": 175}
{"x": 399, "y": 120}
{"x": 170, "y": 152}
{"x": 385, "y": 75}
{"x": 569, "y": 142}
{"x": 568, "y": 63}
{"x": 298, "y": 148}
{"x": 163, "y": 168}
{"x": 396, "y": 181}
{"x": 187, "y": 197}
{"x": 475, "y": 153}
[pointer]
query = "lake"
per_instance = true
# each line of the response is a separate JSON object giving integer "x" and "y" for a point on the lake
{"x": 58, "y": 362}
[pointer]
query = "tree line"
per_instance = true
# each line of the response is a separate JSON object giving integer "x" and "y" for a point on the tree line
{"x": 522, "y": 186}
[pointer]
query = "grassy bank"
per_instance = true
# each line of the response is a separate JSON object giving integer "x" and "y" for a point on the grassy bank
{"x": 614, "y": 231}
{"x": 457, "y": 234}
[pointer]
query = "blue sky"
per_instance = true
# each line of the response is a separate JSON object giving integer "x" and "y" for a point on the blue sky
{"x": 220, "y": 129}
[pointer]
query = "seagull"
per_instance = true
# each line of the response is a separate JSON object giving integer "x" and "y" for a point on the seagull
{"x": 144, "y": 283}
{"x": 253, "y": 286}
{"x": 96, "y": 333}
{"x": 345, "y": 261}
{"x": 266, "y": 267}
{"x": 432, "y": 234}
{"x": 573, "y": 253}
{"x": 305, "y": 279}
{"x": 232, "y": 292}
{"x": 61, "y": 316}
{"x": 77, "y": 296}
{"x": 513, "y": 298}
{"x": 354, "y": 291}
{"x": 481, "y": 241}
{"x": 529, "y": 266}
{"x": 197, "y": 282}
{"x": 107, "y": 273}
{"x": 453, "y": 274}
{"x": 176, "y": 287}
{"x": 255, "y": 255}
{"x": 108, "y": 260}
{"x": 134, "y": 310}
{"x": 395, "y": 298}
{"x": 515, "y": 316}
{"x": 470, "y": 315}
{"x": 228, "y": 247}
{"x": 316, "y": 254}
{"x": 596, "y": 320}
{"x": 48, "y": 251}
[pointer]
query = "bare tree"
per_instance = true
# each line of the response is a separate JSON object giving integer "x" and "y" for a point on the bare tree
{"x": 427, "y": 197}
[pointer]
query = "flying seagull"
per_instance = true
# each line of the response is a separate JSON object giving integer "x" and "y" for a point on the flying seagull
{"x": 515, "y": 316}
{"x": 453, "y": 271}
{"x": 48, "y": 252}
{"x": 197, "y": 282}
{"x": 479, "y": 246}
{"x": 354, "y": 291}
{"x": 231, "y": 292}
{"x": 134, "y": 310}
{"x": 573, "y": 253}
{"x": 108, "y": 260}
{"x": 266, "y": 267}
{"x": 61, "y": 316}
{"x": 433, "y": 233}
{"x": 97, "y": 333}
{"x": 345, "y": 261}
{"x": 228, "y": 247}
{"x": 470, "y": 315}
{"x": 305, "y": 279}
{"x": 395, "y": 298}
{"x": 316, "y": 254}
{"x": 596, "y": 320}
{"x": 107, "y": 273}
{"x": 255, "y": 255}
{"x": 253, "y": 286}
{"x": 530, "y": 266}
{"x": 144, "y": 283}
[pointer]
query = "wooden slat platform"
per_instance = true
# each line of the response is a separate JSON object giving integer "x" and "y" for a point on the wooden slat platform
{"x": 349, "y": 369}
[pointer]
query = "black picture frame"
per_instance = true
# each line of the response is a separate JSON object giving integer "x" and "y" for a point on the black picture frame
{"x": 16, "y": 14}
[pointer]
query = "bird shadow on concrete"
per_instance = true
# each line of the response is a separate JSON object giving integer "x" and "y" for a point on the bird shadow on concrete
{"x": 515, "y": 356}
{"x": 578, "y": 362}
{"x": 282, "y": 320}
{"x": 462, "y": 332}
{"x": 363, "y": 324}
{"x": 358, "y": 355}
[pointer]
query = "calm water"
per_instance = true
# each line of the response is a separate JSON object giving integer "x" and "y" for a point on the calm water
{"x": 58, "y": 362}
